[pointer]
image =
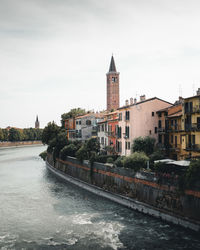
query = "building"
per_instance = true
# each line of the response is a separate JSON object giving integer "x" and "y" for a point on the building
{"x": 103, "y": 133}
{"x": 138, "y": 119}
{"x": 112, "y": 87}
{"x": 37, "y": 123}
{"x": 86, "y": 125}
{"x": 70, "y": 128}
{"x": 191, "y": 125}
{"x": 179, "y": 135}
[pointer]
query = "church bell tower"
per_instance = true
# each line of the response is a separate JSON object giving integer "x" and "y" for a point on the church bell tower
{"x": 112, "y": 87}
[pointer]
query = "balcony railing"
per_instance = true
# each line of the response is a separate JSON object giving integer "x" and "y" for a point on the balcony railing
{"x": 175, "y": 127}
{"x": 192, "y": 126}
{"x": 193, "y": 147}
{"x": 195, "y": 109}
{"x": 161, "y": 130}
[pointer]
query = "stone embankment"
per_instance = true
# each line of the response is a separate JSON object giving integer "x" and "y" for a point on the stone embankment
{"x": 141, "y": 191}
{"x": 19, "y": 143}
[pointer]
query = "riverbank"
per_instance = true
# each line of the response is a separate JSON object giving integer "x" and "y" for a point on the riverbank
{"x": 19, "y": 144}
{"x": 105, "y": 182}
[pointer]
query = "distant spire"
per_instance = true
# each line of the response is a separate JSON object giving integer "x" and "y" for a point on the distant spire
{"x": 37, "y": 118}
{"x": 112, "y": 65}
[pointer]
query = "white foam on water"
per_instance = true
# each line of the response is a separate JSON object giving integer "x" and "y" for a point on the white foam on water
{"x": 110, "y": 232}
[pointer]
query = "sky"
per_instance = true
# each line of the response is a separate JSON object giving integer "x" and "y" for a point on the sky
{"x": 54, "y": 54}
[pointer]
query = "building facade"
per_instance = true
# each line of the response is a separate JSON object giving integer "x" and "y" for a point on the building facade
{"x": 87, "y": 125}
{"x": 138, "y": 119}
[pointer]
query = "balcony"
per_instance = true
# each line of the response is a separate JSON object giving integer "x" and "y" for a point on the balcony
{"x": 195, "y": 109}
{"x": 193, "y": 147}
{"x": 192, "y": 127}
{"x": 161, "y": 130}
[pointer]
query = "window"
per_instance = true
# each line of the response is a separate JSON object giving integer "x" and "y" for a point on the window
{"x": 127, "y": 116}
{"x": 126, "y": 145}
{"x": 160, "y": 139}
{"x": 152, "y": 113}
{"x": 114, "y": 79}
{"x": 102, "y": 127}
{"x": 102, "y": 140}
{"x": 160, "y": 124}
{"x": 119, "y": 134}
{"x": 88, "y": 122}
{"x": 79, "y": 122}
{"x": 175, "y": 141}
{"x": 159, "y": 114}
{"x": 76, "y": 122}
{"x": 150, "y": 132}
{"x": 155, "y": 130}
{"x": 127, "y": 132}
{"x": 120, "y": 116}
{"x": 129, "y": 145}
{"x": 172, "y": 139}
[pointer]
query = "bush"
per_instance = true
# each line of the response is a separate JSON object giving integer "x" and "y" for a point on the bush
{"x": 104, "y": 158}
{"x": 119, "y": 162}
{"x": 81, "y": 154}
{"x": 193, "y": 173}
{"x": 69, "y": 150}
{"x": 144, "y": 144}
{"x": 43, "y": 155}
{"x": 136, "y": 161}
{"x": 110, "y": 160}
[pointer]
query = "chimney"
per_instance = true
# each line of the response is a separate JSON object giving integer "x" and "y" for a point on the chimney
{"x": 131, "y": 100}
{"x": 198, "y": 91}
{"x": 142, "y": 98}
{"x": 135, "y": 100}
{"x": 126, "y": 102}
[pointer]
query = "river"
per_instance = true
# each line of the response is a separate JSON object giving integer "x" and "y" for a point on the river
{"x": 39, "y": 211}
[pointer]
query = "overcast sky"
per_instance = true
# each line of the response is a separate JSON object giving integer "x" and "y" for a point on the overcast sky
{"x": 54, "y": 54}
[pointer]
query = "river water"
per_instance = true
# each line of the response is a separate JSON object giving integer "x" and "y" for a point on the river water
{"x": 39, "y": 211}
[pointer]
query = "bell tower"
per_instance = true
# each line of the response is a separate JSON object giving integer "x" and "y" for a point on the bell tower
{"x": 112, "y": 86}
{"x": 37, "y": 123}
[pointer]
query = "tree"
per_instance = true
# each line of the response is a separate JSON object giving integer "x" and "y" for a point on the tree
{"x": 92, "y": 145}
{"x": 5, "y": 134}
{"x": 14, "y": 135}
{"x": 1, "y": 135}
{"x": 69, "y": 150}
{"x": 72, "y": 113}
{"x": 136, "y": 161}
{"x": 50, "y": 132}
{"x": 144, "y": 144}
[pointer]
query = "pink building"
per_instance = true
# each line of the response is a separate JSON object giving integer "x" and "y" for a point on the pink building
{"x": 138, "y": 119}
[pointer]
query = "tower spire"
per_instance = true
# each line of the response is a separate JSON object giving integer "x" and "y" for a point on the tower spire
{"x": 112, "y": 65}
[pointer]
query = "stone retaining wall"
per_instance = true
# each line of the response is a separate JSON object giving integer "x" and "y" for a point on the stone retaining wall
{"x": 142, "y": 186}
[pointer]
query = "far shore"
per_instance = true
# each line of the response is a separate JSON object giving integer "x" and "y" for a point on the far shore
{"x": 20, "y": 144}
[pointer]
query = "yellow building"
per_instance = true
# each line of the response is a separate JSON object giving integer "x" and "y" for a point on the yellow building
{"x": 191, "y": 124}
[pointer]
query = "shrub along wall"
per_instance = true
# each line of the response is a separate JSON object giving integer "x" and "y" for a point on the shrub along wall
{"x": 143, "y": 186}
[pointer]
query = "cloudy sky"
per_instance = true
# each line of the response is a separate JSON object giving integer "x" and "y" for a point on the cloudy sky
{"x": 54, "y": 54}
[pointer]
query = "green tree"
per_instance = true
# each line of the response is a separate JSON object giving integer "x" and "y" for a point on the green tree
{"x": 5, "y": 134}
{"x": 50, "y": 132}
{"x": 136, "y": 161}
{"x": 14, "y": 135}
{"x": 144, "y": 144}
{"x": 1, "y": 135}
{"x": 72, "y": 113}
{"x": 92, "y": 145}
{"x": 69, "y": 150}
{"x": 60, "y": 142}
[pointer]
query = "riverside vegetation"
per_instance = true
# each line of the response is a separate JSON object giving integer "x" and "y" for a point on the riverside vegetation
{"x": 144, "y": 151}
